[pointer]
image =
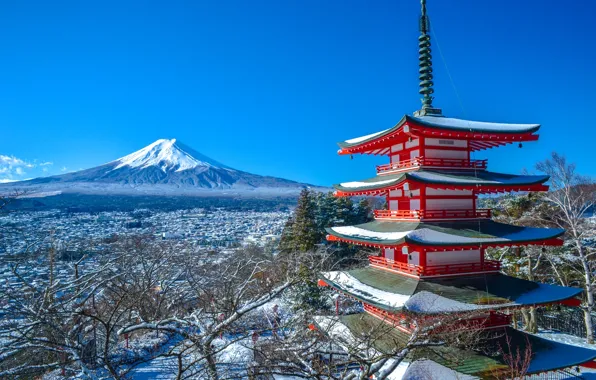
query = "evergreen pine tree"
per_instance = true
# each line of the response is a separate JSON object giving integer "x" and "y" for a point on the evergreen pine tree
{"x": 304, "y": 233}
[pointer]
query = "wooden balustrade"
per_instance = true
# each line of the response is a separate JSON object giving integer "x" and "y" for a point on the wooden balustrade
{"x": 433, "y": 214}
{"x": 443, "y": 163}
{"x": 436, "y": 270}
{"x": 399, "y": 320}
{"x": 395, "y": 265}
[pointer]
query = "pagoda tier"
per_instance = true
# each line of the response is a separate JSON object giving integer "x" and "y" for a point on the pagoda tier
{"x": 435, "y": 296}
{"x": 488, "y": 361}
{"x": 433, "y": 238}
{"x": 412, "y": 182}
{"x": 437, "y": 132}
{"x": 444, "y": 235}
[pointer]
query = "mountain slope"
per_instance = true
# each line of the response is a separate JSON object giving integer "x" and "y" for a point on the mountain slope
{"x": 163, "y": 167}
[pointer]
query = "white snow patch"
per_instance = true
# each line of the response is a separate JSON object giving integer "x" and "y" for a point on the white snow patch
{"x": 425, "y": 369}
{"x": 356, "y": 140}
{"x": 353, "y": 184}
{"x": 427, "y": 235}
{"x": 356, "y": 287}
{"x": 164, "y": 154}
{"x": 449, "y": 122}
{"x": 362, "y": 233}
{"x": 427, "y": 302}
{"x": 566, "y": 338}
{"x": 430, "y": 303}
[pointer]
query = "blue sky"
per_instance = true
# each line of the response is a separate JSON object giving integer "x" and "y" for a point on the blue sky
{"x": 270, "y": 86}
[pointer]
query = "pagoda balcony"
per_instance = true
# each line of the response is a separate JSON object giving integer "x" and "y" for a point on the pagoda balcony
{"x": 435, "y": 270}
{"x": 490, "y": 320}
{"x": 422, "y": 162}
{"x": 429, "y": 215}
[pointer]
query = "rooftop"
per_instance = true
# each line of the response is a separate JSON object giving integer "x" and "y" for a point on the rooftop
{"x": 481, "y": 181}
{"x": 483, "y": 232}
{"x": 440, "y": 126}
{"x": 481, "y": 361}
{"x": 392, "y": 292}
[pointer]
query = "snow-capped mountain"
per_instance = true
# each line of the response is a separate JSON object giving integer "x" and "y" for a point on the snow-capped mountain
{"x": 162, "y": 168}
{"x": 167, "y": 155}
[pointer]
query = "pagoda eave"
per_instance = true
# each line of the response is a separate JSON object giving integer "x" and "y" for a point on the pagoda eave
{"x": 553, "y": 242}
{"x": 479, "y": 182}
{"x": 478, "y": 189}
{"x": 546, "y": 355}
{"x": 411, "y": 127}
{"x": 434, "y": 296}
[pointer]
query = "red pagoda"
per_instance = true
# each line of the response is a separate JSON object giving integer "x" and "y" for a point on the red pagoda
{"x": 432, "y": 237}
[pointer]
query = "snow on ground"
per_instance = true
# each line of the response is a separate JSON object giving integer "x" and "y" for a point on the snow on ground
{"x": 160, "y": 368}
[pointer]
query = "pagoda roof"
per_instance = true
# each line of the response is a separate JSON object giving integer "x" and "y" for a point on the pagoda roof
{"x": 481, "y": 181}
{"x": 450, "y": 127}
{"x": 444, "y": 234}
{"x": 482, "y": 361}
{"x": 393, "y": 292}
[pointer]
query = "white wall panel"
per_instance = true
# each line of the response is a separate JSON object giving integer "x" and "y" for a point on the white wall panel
{"x": 452, "y": 257}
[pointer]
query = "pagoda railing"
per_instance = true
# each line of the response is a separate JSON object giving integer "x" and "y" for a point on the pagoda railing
{"x": 446, "y": 269}
{"x": 433, "y": 214}
{"x": 436, "y": 270}
{"x": 492, "y": 319}
{"x": 446, "y": 163}
{"x": 395, "y": 265}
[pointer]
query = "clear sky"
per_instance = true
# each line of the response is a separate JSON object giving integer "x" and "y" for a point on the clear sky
{"x": 270, "y": 86}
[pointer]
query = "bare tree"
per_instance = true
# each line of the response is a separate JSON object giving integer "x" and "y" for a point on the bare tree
{"x": 516, "y": 359}
{"x": 41, "y": 327}
{"x": 223, "y": 302}
{"x": 571, "y": 197}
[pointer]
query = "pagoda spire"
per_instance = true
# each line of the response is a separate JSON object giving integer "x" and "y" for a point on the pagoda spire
{"x": 425, "y": 66}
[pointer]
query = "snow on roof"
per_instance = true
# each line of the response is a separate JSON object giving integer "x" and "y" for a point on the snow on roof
{"x": 440, "y": 296}
{"x": 425, "y": 369}
{"x": 358, "y": 232}
{"x": 357, "y": 288}
{"x": 430, "y": 303}
{"x": 333, "y": 327}
{"x": 444, "y": 177}
{"x": 363, "y": 138}
{"x": 467, "y": 125}
{"x": 447, "y": 123}
{"x": 437, "y": 233}
{"x": 356, "y": 184}
{"x": 427, "y": 235}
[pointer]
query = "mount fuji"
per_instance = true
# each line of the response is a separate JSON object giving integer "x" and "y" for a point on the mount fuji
{"x": 165, "y": 167}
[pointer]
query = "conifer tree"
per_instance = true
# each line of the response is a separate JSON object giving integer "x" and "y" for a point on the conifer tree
{"x": 304, "y": 234}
